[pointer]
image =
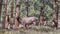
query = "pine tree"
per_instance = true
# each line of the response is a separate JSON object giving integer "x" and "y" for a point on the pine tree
{"x": 11, "y": 20}
{"x": 1, "y": 7}
{"x": 42, "y": 13}
{"x": 26, "y": 7}
{"x": 4, "y": 13}
{"x": 17, "y": 19}
{"x": 55, "y": 12}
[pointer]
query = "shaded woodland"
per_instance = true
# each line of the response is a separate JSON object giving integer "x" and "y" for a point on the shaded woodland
{"x": 13, "y": 13}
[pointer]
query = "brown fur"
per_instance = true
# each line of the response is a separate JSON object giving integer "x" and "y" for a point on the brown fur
{"x": 26, "y": 21}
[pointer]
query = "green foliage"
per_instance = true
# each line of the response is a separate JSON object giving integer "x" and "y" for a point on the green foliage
{"x": 42, "y": 28}
{"x": 48, "y": 12}
{"x": 48, "y": 9}
{"x": 2, "y": 31}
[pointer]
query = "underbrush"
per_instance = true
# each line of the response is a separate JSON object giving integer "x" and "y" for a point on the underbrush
{"x": 2, "y": 31}
{"x": 42, "y": 28}
{"x": 33, "y": 30}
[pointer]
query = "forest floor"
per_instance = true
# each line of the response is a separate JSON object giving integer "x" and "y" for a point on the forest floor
{"x": 32, "y": 30}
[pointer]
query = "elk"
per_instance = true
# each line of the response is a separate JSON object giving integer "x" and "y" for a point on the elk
{"x": 26, "y": 21}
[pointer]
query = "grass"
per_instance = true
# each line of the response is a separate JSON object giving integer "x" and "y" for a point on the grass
{"x": 42, "y": 28}
{"x": 32, "y": 30}
{"x": 2, "y": 31}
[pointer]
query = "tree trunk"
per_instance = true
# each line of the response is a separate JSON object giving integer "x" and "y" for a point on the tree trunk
{"x": 26, "y": 8}
{"x": 1, "y": 7}
{"x": 35, "y": 9}
{"x": 42, "y": 13}
{"x": 12, "y": 7}
{"x": 11, "y": 21}
{"x": 4, "y": 13}
{"x": 55, "y": 12}
{"x": 17, "y": 13}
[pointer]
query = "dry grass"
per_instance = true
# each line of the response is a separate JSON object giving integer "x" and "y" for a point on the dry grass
{"x": 32, "y": 30}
